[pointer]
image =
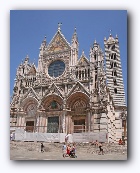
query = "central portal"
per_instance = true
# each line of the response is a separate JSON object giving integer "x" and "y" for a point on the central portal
{"x": 53, "y": 124}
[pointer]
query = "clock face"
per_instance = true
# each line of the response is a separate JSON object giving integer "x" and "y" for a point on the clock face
{"x": 56, "y": 68}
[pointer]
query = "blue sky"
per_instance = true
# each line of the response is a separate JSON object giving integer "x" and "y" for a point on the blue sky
{"x": 29, "y": 27}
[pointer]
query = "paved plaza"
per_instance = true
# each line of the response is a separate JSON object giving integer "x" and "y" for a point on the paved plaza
{"x": 31, "y": 151}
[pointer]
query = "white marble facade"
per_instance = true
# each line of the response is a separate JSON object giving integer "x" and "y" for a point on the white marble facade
{"x": 68, "y": 94}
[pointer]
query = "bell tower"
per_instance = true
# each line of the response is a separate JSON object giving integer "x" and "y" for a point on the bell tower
{"x": 114, "y": 70}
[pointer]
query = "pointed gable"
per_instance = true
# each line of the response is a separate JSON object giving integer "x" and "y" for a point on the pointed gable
{"x": 32, "y": 71}
{"x": 58, "y": 43}
{"x": 31, "y": 94}
{"x": 53, "y": 89}
{"x": 83, "y": 61}
{"x": 78, "y": 87}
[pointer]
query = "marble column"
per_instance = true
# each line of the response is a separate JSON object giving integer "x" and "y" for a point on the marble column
{"x": 89, "y": 120}
{"x": 64, "y": 121}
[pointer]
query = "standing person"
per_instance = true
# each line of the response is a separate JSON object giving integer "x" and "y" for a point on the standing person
{"x": 42, "y": 147}
{"x": 68, "y": 149}
{"x": 64, "y": 149}
{"x": 11, "y": 136}
{"x": 100, "y": 148}
{"x": 66, "y": 138}
{"x": 96, "y": 143}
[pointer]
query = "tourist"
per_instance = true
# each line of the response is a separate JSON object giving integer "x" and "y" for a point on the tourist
{"x": 120, "y": 142}
{"x": 68, "y": 149}
{"x": 73, "y": 151}
{"x": 66, "y": 138}
{"x": 11, "y": 136}
{"x": 64, "y": 149}
{"x": 42, "y": 147}
{"x": 100, "y": 148}
{"x": 95, "y": 143}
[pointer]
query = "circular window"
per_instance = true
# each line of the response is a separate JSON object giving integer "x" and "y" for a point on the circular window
{"x": 56, "y": 68}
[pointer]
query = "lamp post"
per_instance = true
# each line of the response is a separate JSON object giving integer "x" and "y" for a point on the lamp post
{"x": 123, "y": 116}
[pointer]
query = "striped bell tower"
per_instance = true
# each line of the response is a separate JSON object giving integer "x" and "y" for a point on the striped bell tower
{"x": 114, "y": 71}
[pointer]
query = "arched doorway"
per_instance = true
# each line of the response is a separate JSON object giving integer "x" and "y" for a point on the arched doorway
{"x": 53, "y": 105}
{"x": 30, "y": 109}
{"x": 77, "y": 121}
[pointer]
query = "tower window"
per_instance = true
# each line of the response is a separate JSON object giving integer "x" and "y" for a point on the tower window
{"x": 95, "y": 56}
{"x": 88, "y": 73}
{"x": 111, "y": 65}
{"x": 95, "y": 69}
{"x": 115, "y": 73}
{"x": 115, "y": 65}
{"x": 95, "y": 77}
{"x": 76, "y": 74}
{"x": 115, "y": 90}
{"x": 115, "y": 82}
{"x": 96, "y": 81}
{"x": 23, "y": 70}
{"x": 115, "y": 56}
{"x": 85, "y": 73}
{"x": 113, "y": 47}
{"x": 79, "y": 74}
{"x": 95, "y": 84}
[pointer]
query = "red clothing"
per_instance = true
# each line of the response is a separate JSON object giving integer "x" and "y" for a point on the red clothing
{"x": 68, "y": 150}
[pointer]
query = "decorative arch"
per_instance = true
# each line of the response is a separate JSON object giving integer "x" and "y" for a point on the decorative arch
{"x": 29, "y": 104}
{"x": 52, "y": 102}
{"x": 78, "y": 100}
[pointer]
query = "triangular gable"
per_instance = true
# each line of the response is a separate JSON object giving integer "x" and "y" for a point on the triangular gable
{"x": 53, "y": 89}
{"x": 83, "y": 61}
{"x": 78, "y": 87}
{"x": 58, "y": 43}
{"x": 32, "y": 70}
{"x": 30, "y": 93}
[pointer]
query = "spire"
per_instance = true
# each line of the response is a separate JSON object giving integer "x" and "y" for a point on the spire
{"x": 83, "y": 53}
{"x": 111, "y": 38}
{"x": 59, "y": 29}
{"x": 116, "y": 37}
{"x": 43, "y": 44}
{"x": 110, "y": 32}
{"x": 74, "y": 37}
{"x": 75, "y": 47}
{"x": 95, "y": 44}
{"x": 27, "y": 58}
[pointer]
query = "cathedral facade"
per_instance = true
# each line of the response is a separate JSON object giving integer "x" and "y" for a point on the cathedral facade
{"x": 68, "y": 94}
